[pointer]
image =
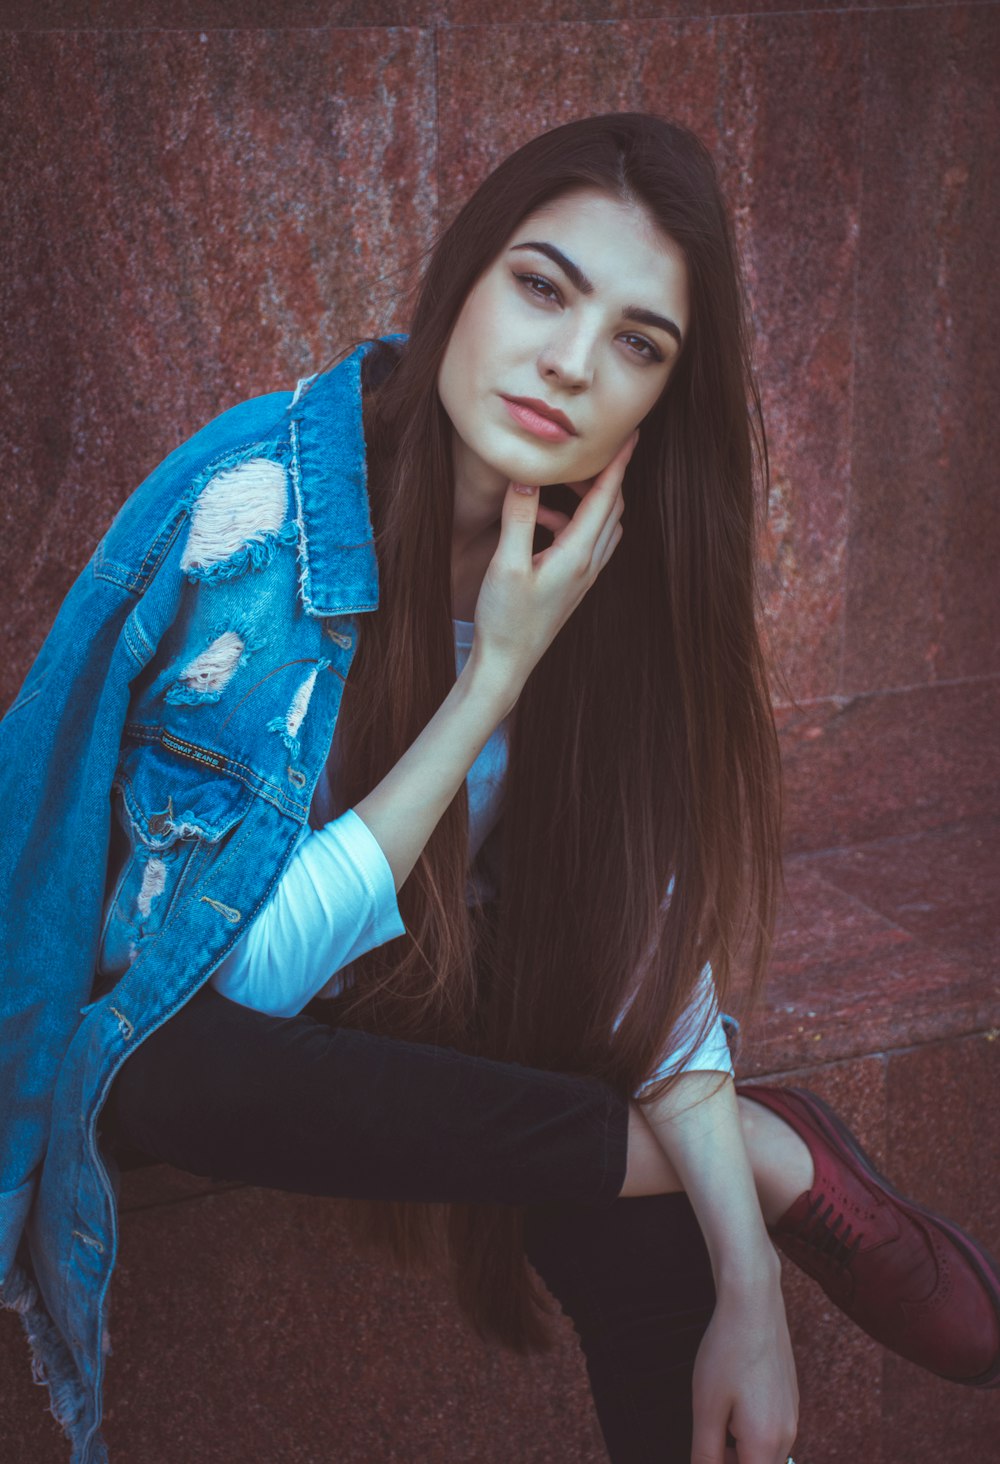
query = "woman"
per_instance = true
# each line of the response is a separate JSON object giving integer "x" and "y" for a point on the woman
{"x": 443, "y": 792}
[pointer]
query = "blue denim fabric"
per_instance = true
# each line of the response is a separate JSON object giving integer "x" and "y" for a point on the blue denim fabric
{"x": 109, "y": 747}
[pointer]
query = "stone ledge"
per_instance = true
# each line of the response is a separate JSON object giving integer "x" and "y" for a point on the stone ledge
{"x": 281, "y": 1342}
{"x": 878, "y": 765}
{"x": 882, "y": 945}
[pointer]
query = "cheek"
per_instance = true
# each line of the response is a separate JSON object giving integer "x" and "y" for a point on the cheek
{"x": 617, "y": 417}
{"x": 466, "y": 360}
{"x": 475, "y": 328}
{"x": 455, "y": 381}
{"x": 592, "y": 458}
{"x": 614, "y": 424}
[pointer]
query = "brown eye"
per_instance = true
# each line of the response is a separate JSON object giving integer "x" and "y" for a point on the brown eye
{"x": 651, "y": 353}
{"x": 529, "y": 281}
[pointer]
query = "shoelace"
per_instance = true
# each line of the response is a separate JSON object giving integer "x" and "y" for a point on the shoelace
{"x": 830, "y": 1238}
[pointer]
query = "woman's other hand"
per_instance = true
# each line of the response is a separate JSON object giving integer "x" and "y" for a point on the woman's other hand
{"x": 526, "y": 598}
{"x": 744, "y": 1379}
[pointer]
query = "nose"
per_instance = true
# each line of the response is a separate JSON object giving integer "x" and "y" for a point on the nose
{"x": 567, "y": 357}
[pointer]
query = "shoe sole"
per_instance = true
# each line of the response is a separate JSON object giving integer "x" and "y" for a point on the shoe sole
{"x": 984, "y": 1264}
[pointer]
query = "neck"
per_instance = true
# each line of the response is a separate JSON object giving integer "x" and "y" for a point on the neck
{"x": 467, "y": 570}
{"x": 478, "y": 504}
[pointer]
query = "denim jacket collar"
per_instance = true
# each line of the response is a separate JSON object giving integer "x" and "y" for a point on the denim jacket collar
{"x": 338, "y": 573}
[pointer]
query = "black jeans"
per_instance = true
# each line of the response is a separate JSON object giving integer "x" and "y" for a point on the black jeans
{"x": 292, "y": 1103}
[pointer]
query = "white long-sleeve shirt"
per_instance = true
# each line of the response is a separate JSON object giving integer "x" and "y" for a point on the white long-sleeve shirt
{"x": 337, "y": 899}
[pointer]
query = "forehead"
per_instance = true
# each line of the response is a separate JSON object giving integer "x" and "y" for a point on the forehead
{"x": 619, "y": 247}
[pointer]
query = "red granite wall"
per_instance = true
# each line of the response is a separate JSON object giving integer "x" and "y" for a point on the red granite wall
{"x": 203, "y": 199}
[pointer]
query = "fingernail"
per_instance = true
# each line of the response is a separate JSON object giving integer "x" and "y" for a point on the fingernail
{"x": 523, "y": 487}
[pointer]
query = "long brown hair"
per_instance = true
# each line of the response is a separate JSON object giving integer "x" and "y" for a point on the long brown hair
{"x": 642, "y": 748}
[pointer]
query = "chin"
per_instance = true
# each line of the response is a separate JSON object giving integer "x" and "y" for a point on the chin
{"x": 519, "y": 463}
{"x": 545, "y": 469}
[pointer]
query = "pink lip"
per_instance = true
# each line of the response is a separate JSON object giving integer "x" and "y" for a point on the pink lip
{"x": 536, "y": 417}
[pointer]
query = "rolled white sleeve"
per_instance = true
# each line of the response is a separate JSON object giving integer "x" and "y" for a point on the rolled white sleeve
{"x": 712, "y": 1053}
{"x": 335, "y": 900}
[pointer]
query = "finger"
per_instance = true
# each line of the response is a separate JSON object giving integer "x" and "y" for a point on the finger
{"x": 708, "y": 1441}
{"x": 601, "y": 500}
{"x": 606, "y": 534}
{"x": 607, "y": 526}
{"x": 518, "y": 517}
{"x": 763, "y": 1447}
{"x": 610, "y": 548}
{"x": 707, "y": 1450}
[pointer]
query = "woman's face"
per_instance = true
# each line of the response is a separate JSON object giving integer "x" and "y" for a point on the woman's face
{"x": 581, "y": 311}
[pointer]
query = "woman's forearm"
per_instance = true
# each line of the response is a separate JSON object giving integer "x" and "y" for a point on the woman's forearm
{"x": 744, "y": 1375}
{"x": 405, "y": 808}
{"x": 698, "y": 1126}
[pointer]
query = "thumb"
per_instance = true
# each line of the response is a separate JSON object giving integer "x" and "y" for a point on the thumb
{"x": 518, "y": 518}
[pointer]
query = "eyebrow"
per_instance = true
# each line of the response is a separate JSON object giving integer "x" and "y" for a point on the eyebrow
{"x": 575, "y": 274}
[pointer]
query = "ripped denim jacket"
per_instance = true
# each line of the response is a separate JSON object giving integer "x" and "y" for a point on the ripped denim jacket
{"x": 171, "y": 731}
{"x": 157, "y": 769}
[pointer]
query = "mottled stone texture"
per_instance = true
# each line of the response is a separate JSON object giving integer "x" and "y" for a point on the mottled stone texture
{"x": 880, "y": 946}
{"x": 280, "y": 1343}
{"x": 259, "y": 14}
{"x": 121, "y": 15}
{"x": 245, "y": 205}
{"x": 925, "y": 520}
{"x": 890, "y": 763}
{"x": 373, "y": 1365}
{"x": 205, "y": 200}
{"x": 279, "y": 1340}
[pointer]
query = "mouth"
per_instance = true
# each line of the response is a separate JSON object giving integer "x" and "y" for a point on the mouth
{"x": 539, "y": 418}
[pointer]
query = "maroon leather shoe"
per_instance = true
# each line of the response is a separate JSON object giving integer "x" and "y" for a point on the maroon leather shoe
{"x": 909, "y": 1278}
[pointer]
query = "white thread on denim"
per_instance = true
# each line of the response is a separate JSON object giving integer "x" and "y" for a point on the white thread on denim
{"x": 239, "y": 505}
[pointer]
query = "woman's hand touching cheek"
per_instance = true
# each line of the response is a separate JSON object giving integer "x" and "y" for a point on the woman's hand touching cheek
{"x": 526, "y": 598}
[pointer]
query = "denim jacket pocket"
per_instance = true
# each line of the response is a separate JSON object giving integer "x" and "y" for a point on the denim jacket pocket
{"x": 171, "y": 816}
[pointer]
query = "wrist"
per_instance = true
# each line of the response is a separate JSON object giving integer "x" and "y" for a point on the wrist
{"x": 488, "y": 680}
{"x": 749, "y": 1277}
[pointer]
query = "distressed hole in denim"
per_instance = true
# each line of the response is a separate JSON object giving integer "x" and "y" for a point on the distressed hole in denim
{"x": 154, "y": 879}
{"x": 290, "y": 723}
{"x": 300, "y": 704}
{"x": 239, "y": 506}
{"x": 206, "y": 676}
